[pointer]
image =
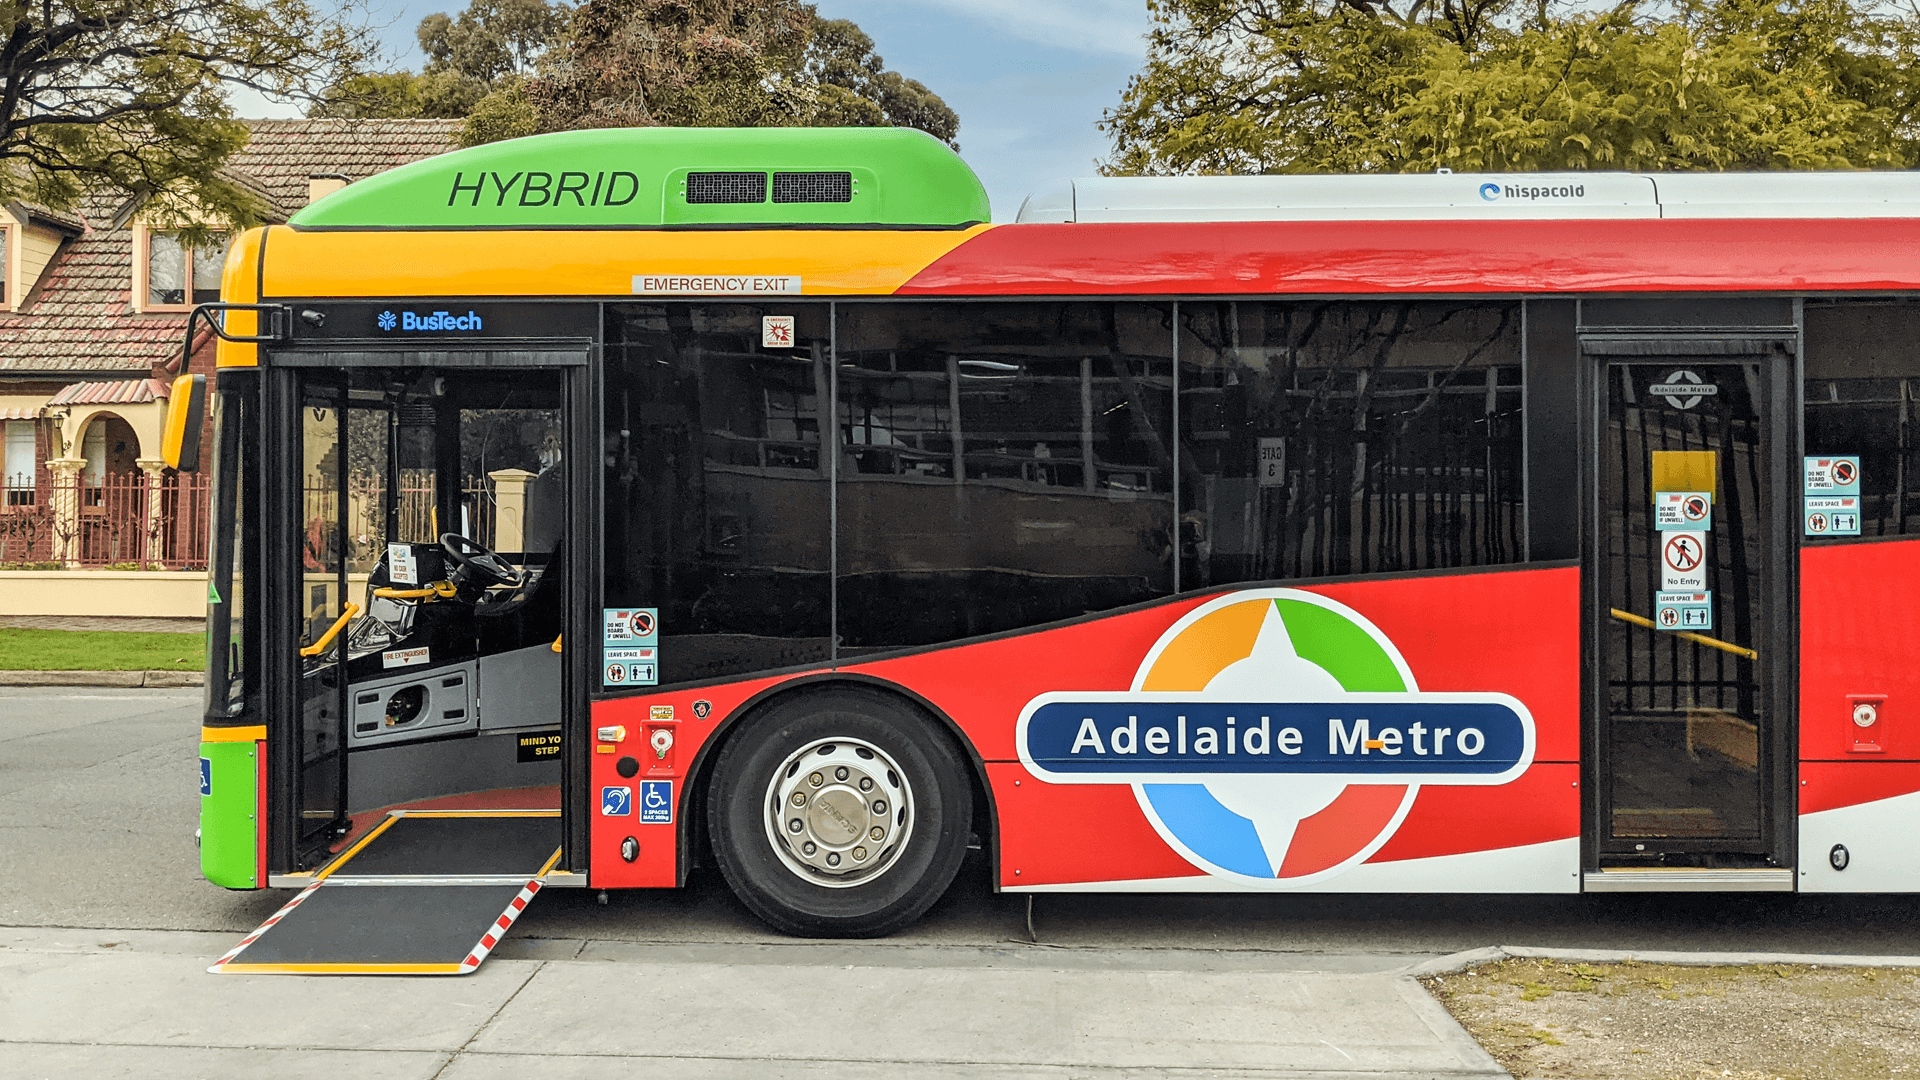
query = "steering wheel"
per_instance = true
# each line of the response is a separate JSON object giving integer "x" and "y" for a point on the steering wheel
{"x": 483, "y": 567}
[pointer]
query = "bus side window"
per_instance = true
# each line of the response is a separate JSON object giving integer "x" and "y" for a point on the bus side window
{"x": 1328, "y": 438}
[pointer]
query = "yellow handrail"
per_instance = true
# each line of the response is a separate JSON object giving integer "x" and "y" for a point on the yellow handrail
{"x": 441, "y": 589}
{"x": 333, "y": 631}
{"x": 1701, "y": 639}
{"x": 556, "y": 643}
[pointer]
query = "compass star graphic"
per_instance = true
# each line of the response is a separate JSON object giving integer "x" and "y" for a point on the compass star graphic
{"x": 386, "y": 320}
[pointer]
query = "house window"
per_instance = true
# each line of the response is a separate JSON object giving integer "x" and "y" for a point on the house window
{"x": 21, "y": 467}
{"x": 6, "y": 268}
{"x": 174, "y": 273}
{"x": 94, "y": 448}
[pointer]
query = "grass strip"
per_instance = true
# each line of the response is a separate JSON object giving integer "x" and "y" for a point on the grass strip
{"x": 100, "y": 650}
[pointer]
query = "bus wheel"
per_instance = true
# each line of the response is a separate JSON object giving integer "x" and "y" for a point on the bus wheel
{"x": 839, "y": 813}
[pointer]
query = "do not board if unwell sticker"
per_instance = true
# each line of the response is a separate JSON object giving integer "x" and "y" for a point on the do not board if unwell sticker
{"x": 630, "y": 646}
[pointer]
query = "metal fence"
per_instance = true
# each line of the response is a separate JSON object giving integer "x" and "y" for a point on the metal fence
{"x": 361, "y": 532}
{"x": 122, "y": 521}
{"x": 131, "y": 521}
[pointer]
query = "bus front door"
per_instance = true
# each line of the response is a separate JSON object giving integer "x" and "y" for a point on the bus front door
{"x": 1691, "y": 620}
{"x": 320, "y": 777}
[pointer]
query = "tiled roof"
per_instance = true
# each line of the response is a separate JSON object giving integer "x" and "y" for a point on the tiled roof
{"x": 117, "y": 392}
{"x": 284, "y": 153}
{"x": 82, "y": 318}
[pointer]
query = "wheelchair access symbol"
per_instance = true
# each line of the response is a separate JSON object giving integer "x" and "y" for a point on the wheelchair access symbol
{"x": 656, "y": 802}
{"x": 616, "y": 802}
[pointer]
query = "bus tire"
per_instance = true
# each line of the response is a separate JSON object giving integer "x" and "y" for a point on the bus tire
{"x": 840, "y": 812}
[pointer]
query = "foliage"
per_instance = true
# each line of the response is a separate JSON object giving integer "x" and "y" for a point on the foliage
{"x": 132, "y": 96}
{"x": 1265, "y": 86}
{"x": 684, "y": 63}
{"x": 857, "y": 90}
{"x": 517, "y": 67}
{"x": 487, "y": 50}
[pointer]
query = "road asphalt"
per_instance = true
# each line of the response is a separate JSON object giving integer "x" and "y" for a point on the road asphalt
{"x": 106, "y": 931}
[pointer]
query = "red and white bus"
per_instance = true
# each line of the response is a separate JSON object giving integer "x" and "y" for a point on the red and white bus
{"x": 610, "y": 504}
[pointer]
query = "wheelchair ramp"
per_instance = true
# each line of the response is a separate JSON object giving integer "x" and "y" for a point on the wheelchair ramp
{"x": 426, "y": 892}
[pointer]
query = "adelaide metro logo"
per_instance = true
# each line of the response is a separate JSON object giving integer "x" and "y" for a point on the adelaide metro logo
{"x": 1275, "y": 737}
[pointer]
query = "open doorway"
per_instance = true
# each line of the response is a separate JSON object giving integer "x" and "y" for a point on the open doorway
{"x": 431, "y": 595}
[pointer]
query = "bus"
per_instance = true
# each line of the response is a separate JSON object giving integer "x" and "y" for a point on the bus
{"x": 601, "y": 505}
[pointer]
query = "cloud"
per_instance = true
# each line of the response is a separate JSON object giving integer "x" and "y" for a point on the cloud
{"x": 1106, "y": 27}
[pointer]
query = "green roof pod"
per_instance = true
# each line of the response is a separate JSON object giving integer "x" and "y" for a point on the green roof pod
{"x": 616, "y": 178}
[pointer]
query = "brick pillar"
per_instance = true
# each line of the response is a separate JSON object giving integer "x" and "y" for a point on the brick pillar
{"x": 510, "y": 510}
{"x": 152, "y": 546}
{"x": 66, "y": 509}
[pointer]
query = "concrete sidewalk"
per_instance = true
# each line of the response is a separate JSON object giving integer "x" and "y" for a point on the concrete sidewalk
{"x": 140, "y": 1003}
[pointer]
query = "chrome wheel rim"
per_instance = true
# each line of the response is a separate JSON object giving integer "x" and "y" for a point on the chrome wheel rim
{"x": 839, "y": 812}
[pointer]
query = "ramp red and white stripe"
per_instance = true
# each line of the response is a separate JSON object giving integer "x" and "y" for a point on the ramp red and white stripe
{"x": 285, "y": 909}
{"x": 500, "y": 927}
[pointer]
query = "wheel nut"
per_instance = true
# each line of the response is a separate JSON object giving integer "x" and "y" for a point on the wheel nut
{"x": 877, "y": 834}
{"x": 859, "y": 854}
{"x": 808, "y": 848}
{"x": 840, "y": 773}
{"x": 866, "y": 783}
{"x": 795, "y": 825}
{"x": 816, "y": 779}
{"x": 879, "y": 806}
{"x": 833, "y": 858}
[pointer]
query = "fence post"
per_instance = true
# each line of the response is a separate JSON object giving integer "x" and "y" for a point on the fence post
{"x": 152, "y": 550}
{"x": 66, "y": 510}
{"x": 510, "y": 509}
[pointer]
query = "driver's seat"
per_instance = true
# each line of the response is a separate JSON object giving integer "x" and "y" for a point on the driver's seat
{"x": 532, "y": 617}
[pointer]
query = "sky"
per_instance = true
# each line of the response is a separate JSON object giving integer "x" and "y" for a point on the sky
{"x": 1029, "y": 78}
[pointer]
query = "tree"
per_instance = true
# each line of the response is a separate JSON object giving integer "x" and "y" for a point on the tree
{"x": 517, "y": 67}
{"x": 857, "y": 90}
{"x": 1266, "y": 86}
{"x": 133, "y": 96}
{"x": 722, "y": 63}
{"x": 488, "y": 49}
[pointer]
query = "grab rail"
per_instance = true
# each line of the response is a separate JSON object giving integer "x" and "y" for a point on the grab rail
{"x": 333, "y": 631}
{"x": 1701, "y": 639}
{"x": 441, "y": 589}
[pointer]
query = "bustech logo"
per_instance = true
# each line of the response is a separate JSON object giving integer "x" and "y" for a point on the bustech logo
{"x": 1262, "y": 709}
{"x": 439, "y": 320}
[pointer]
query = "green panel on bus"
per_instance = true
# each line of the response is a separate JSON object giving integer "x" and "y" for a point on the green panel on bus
{"x": 655, "y": 177}
{"x": 228, "y": 798}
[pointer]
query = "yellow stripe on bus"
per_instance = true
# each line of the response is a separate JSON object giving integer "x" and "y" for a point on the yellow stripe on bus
{"x": 601, "y": 263}
{"x": 255, "y": 733}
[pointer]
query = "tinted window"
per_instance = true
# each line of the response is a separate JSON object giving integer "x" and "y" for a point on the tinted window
{"x": 716, "y": 490}
{"x": 1333, "y": 438}
{"x": 1003, "y": 465}
{"x": 1863, "y": 374}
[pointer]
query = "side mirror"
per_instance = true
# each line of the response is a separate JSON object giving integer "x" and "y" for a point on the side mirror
{"x": 186, "y": 413}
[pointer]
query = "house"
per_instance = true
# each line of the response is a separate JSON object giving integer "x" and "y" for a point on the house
{"x": 93, "y": 310}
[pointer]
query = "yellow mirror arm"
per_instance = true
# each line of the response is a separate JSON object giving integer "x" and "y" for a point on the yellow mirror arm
{"x": 333, "y": 631}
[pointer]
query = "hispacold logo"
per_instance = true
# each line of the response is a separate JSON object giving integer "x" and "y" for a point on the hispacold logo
{"x": 1275, "y": 737}
{"x": 1532, "y": 192}
{"x": 439, "y": 320}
